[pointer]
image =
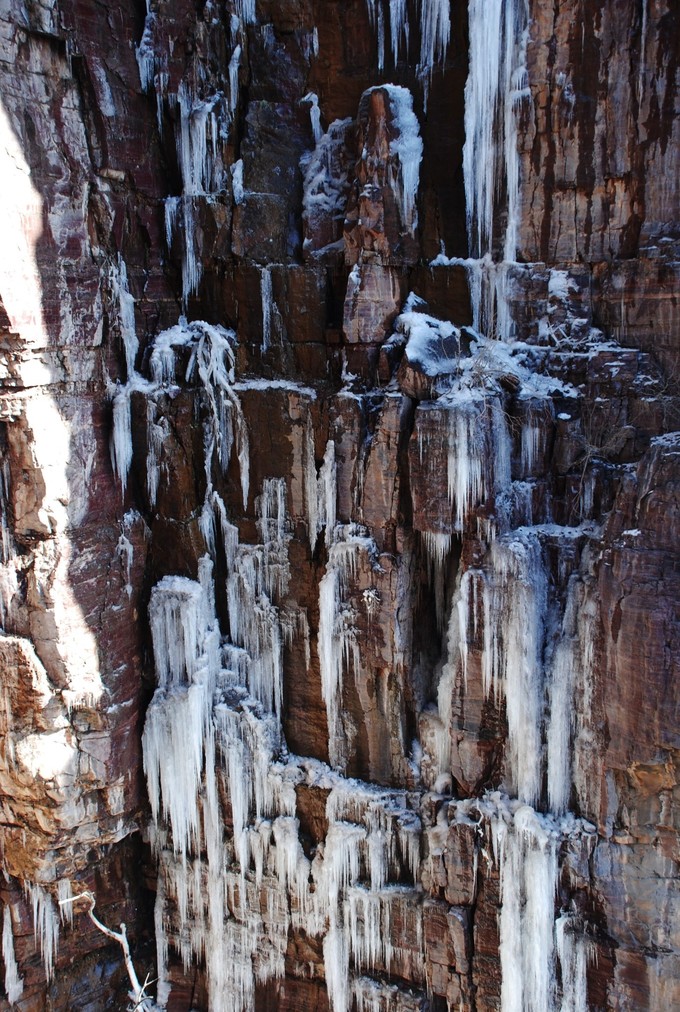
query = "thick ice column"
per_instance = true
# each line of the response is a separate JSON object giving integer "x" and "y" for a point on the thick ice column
{"x": 514, "y": 602}
{"x": 14, "y": 984}
{"x": 338, "y": 647}
{"x": 575, "y": 952}
{"x": 495, "y": 88}
{"x": 526, "y": 851}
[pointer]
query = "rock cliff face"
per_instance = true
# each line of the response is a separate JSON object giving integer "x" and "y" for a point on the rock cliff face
{"x": 340, "y": 503}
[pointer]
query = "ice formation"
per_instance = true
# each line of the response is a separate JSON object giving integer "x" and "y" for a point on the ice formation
{"x": 14, "y": 985}
{"x": 204, "y": 728}
{"x": 407, "y": 146}
{"x": 575, "y": 952}
{"x": 435, "y": 29}
{"x": 326, "y": 182}
{"x": 45, "y": 924}
{"x": 233, "y": 875}
{"x": 210, "y": 352}
{"x": 266, "y": 299}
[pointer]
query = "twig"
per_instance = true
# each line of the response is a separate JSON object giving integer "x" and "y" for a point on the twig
{"x": 138, "y": 992}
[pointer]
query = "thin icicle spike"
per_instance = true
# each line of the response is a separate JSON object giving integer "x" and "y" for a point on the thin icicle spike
{"x": 377, "y": 20}
{"x": 266, "y": 299}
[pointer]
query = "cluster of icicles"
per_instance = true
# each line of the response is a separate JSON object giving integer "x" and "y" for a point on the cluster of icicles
{"x": 228, "y": 896}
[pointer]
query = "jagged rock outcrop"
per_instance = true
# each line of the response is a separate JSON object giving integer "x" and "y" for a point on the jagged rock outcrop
{"x": 339, "y": 503}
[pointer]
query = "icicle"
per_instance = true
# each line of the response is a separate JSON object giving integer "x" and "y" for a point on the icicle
{"x": 314, "y": 115}
{"x": 481, "y": 103}
{"x": 562, "y": 678}
{"x": 310, "y": 484}
{"x": 337, "y": 644}
{"x": 6, "y": 539}
{"x": 45, "y": 925}
{"x": 466, "y": 608}
{"x": 245, "y": 10}
{"x": 145, "y": 55}
{"x": 514, "y": 601}
{"x": 437, "y": 546}
{"x": 192, "y": 268}
{"x": 398, "y": 26}
{"x": 575, "y": 951}
{"x": 237, "y": 182}
{"x": 171, "y": 205}
{"x": 126, "y": 314}
{"x": 192, "y": 146}
{"x": 327, "y": 494}
{"x": 377, "y": 20}
{"x": 185, "y": 640}
{"x": 234, "y": 64}
{"x": 467, "y": 473}
{"x": 14, "y": 984}
{"x": 121, "y": 438}
{"x": 495, "y": 88}
{"x": 527, "y": 856}
{"x": 266, "y": 299}
{"x": 435, "y": 30}
{"x": 273, "y": 525}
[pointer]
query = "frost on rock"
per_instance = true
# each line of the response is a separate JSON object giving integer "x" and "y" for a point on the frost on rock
{"x": 406, "y": 151}
{"x": 209, "y": 352}
{"x": 326, "y": 185}
{"x": 432, "y": 345}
